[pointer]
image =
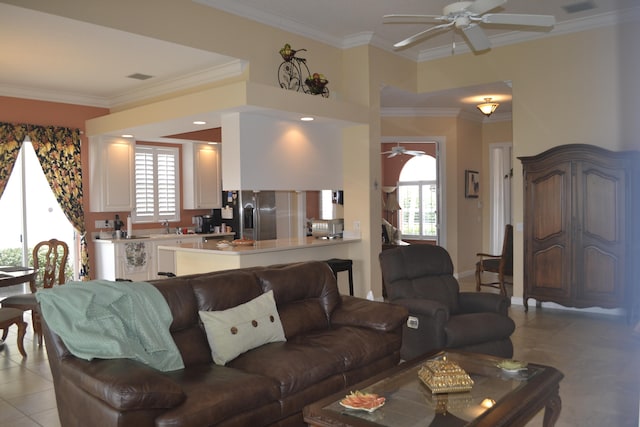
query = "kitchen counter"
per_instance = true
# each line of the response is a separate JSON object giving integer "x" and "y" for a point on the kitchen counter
{"x": 201, "y": 257}
{"x": 160, "y": 237}
{"x": 137, "y": 258}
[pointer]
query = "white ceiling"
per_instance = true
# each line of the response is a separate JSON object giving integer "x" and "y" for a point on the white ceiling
{"x": 88, "y": 64}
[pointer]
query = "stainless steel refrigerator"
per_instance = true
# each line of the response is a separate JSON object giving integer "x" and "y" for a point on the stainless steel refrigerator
{"x": 258, "y": 216}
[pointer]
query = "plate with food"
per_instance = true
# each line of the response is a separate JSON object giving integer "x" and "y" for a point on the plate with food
{"x": 243, "y": 242}
{"x": 223, "y": 244}
{"x": 360, "y": 401}
{"x": 512, "y": 366}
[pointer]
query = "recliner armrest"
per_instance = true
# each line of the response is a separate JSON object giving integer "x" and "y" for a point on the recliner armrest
{"x": 123, "y": 384}
{"x": 479, "y": 302}
{"x": 425, "y": 307}
{"x": 381, "y": 316}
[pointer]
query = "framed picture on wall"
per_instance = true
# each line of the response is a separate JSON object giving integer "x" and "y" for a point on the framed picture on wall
{"x": 472, "y": 184}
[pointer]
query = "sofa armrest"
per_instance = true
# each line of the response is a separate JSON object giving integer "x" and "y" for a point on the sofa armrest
{"x": 381, "y": 316}
{"x": 123, "y": 384}
{"x": 479, "y": 302}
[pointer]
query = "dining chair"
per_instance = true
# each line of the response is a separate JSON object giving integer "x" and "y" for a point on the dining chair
{"x": 50, "y": 261}
{"x": 501, "y": 264}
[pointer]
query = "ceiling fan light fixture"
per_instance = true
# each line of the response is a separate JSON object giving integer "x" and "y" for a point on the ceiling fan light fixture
{"x": 487, "y": 107}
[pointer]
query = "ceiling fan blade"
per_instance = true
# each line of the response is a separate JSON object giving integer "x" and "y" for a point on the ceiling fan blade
{"x": 392, "y": 155}
{"x": 421, "y": 35}
{"x": 519, "y": 19}
{"x": 411, "y": 19}
{"x": 478, "y": 40}
{"x": 479, "y": 7}
{"x": 414, "y": 152}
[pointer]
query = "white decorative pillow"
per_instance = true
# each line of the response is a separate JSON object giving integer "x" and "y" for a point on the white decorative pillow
{"x": 239, "y": 329}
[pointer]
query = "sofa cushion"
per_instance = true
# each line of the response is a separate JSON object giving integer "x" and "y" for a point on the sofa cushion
{"x": 294, "y": 366}
{"x": 217, "y": 393}
{"x": 236, "y": 330}
{"x": 306, "y": 295}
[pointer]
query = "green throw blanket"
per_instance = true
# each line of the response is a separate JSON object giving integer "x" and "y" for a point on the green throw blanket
{"x": 112, "y": 320}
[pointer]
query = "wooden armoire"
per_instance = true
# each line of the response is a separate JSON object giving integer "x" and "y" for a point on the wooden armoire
{"x": 581, "y": 233}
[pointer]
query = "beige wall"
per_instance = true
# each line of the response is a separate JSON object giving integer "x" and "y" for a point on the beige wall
{"x": 567, "y": 89}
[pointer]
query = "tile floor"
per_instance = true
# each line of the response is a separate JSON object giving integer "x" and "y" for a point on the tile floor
{"x": 598, "y": 354}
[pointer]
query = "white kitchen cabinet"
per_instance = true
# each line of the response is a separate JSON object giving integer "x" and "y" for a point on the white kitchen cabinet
{"x": 125, "y": 259}
{"x": 112, "y": 178}
{"x": 138, "y": 259}
{"x": 201, "y": 177}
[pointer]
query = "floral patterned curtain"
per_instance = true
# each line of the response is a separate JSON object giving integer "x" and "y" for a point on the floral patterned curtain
{"x": 11, "y": 139}
{"x": 58, "y": 150}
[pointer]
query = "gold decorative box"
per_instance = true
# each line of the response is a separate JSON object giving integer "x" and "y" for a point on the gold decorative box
{"x": 444, "y": 376}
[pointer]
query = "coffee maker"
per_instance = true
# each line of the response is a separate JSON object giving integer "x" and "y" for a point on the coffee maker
{"x": 202, "y": 223}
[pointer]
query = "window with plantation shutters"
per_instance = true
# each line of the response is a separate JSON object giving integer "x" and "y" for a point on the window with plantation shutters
{"x": 157, "y": 184}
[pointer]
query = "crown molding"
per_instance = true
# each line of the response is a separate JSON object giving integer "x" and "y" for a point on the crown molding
{"x": 39, "y": 94}
{"x": 144, "y": 91}
{"x": 444, "y": 112}
{"x": 186, "y": 81}
{"x": 273, "y": 20}
{"x": 419, "y": 112}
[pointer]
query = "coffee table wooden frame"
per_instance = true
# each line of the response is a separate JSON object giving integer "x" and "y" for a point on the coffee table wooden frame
{"x": 515, "y": 409}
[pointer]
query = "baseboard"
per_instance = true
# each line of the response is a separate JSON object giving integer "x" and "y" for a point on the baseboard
{"x": 463, "y": 274}
{"x": 618, "y": 312}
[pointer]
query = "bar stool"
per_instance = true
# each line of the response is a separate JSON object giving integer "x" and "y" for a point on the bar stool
{"x": 10, "y": 316}
{"x": 338, "y": 265}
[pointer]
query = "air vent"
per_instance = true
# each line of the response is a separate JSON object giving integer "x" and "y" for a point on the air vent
{"x": 139, "y": 76}
{"x": 579, "y": 7}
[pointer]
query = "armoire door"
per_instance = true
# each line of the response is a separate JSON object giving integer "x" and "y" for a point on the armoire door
{"x": 548, "y": 222}
{"x": 600, "y": 248}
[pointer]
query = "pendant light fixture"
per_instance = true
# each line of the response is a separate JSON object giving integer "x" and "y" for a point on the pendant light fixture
{"x": 487, "y": 108}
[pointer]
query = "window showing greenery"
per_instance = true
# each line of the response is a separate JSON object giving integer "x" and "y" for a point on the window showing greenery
{"x": 418, "y": 198}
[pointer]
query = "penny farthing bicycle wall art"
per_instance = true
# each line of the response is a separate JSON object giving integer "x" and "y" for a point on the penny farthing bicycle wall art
{"x": 294, "y": 74}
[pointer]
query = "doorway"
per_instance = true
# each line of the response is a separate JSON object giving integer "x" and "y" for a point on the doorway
{"x": 418, "y": 188}
{"x": 501, "y": 175}
{"x": 30, "y": 213}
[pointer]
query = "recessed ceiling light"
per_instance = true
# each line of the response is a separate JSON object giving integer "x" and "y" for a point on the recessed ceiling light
{"x": 306, "y": 119}
{"x": 199, "y": 122}
{"x": 139, "y": 76}
{"x": 127, "y": 135}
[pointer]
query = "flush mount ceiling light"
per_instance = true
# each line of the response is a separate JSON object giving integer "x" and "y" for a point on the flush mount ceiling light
{"x": 487, "y": 108}
{"x": 199, "y": 122}
{"x": 306, "y": 119}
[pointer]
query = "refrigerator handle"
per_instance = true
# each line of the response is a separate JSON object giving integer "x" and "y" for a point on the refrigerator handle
{"x": 248, "y": 217}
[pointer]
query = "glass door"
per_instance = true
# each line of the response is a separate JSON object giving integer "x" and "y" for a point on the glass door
{"x": 29, "y": 213}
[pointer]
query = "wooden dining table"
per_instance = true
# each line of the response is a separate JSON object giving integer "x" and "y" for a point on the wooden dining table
{"x": 10, "y": 275}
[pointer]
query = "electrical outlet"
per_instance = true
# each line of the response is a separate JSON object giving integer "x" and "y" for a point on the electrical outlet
{"x": 102, "y": 223}
{"x": 356, "y": 225}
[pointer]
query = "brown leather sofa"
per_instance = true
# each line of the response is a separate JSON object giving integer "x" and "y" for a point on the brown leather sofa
{"x": 333, "y": 341}
{"x": 420, "y": 278}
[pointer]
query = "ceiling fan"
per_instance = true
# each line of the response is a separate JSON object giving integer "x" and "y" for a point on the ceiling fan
{"x": 398, "y": 150}
{"x": 467, "y": 16}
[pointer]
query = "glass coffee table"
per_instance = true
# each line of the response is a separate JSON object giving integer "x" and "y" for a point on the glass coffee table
{"x": 497, "y": 398}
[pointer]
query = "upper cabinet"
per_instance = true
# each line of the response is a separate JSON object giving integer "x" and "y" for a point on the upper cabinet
{"x": 202, "y": 183}
{"x": 111, "y": 182}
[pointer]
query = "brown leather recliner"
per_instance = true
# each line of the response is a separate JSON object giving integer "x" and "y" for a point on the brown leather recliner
{"x": 420, "y": 277}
